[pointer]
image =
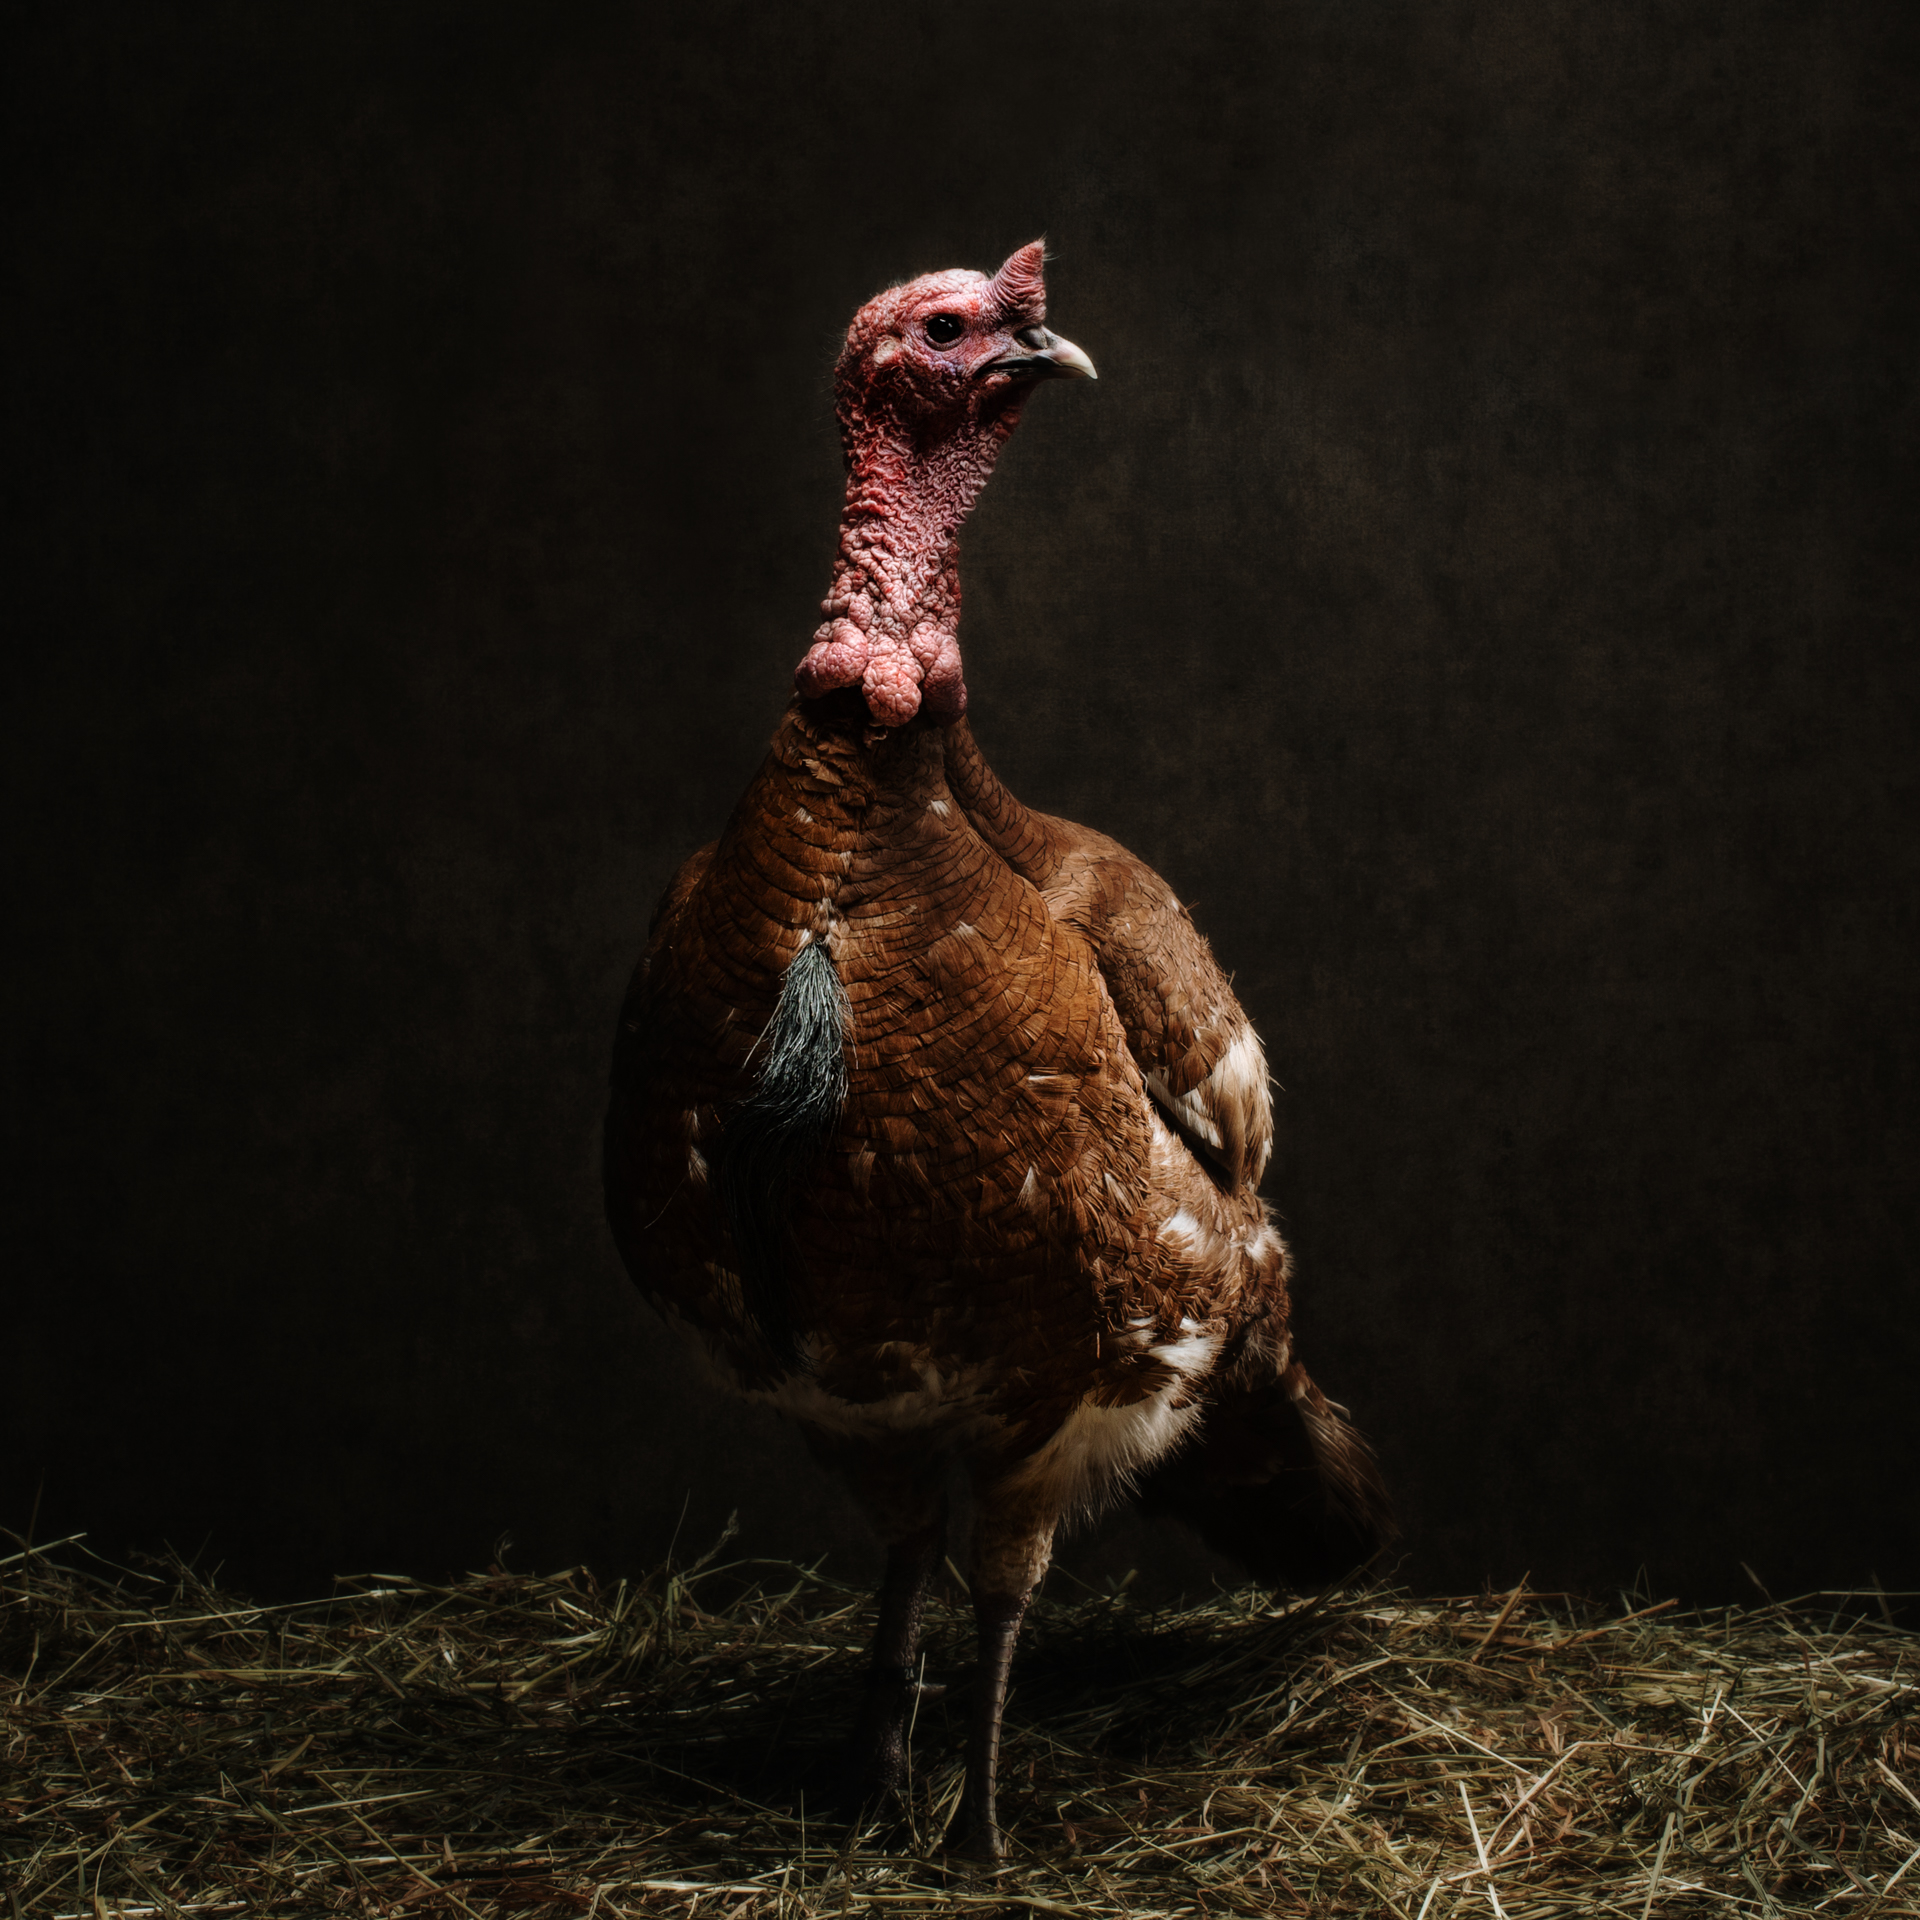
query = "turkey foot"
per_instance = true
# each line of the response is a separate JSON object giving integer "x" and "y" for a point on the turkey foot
{"x": 869, "y": 1772}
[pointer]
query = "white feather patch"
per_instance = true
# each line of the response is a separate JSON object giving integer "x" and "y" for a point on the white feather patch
{"x": 1230, "y": 1112}
{"x": 1181, "y": 1227}
{"x": 1188, "y": 1111}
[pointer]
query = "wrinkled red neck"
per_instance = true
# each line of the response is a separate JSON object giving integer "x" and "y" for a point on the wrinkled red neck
{"x": 893, "y": 614}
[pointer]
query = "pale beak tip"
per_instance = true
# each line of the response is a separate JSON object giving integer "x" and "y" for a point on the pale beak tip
{"x": 1069, "y": 360}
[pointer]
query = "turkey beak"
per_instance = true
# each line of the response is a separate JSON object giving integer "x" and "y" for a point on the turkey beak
{"x": 1062, "y": 360}
{"x": 1045, "y": 357}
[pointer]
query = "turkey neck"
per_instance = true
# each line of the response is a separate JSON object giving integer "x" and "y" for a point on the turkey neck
{"x": 893, "y": 613}
{"x": 843, "y": 821}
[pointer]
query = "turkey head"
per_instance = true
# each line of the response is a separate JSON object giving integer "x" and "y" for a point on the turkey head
{"x": 929, "y": 385}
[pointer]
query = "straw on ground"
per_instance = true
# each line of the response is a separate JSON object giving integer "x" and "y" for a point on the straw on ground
{"x": 551, "y": 1744}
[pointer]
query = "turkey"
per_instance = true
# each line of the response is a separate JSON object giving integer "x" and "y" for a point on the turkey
{"x": 934, "y": 1118}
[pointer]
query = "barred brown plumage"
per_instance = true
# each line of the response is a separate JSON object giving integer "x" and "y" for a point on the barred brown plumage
{"x": 935, "y": 1117}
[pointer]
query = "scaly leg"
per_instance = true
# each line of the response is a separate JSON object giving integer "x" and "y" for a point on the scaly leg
{"x": 1012, "y": 1544}
{"x": 904, "y": 1493}
{"x": 876, "y": 1762}
{"x": 977, "y": 1824}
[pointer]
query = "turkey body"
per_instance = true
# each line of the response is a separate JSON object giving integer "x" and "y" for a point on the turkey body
{"x": 936, "y": 1121}
{"x": 1004, "y": 1249}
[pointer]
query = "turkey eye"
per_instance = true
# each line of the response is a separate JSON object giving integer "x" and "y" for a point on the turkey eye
{"x": 943, "y": 329}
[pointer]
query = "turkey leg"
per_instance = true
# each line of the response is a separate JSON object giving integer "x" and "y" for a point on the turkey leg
{"x": 977, "y": 1824}
{"x": 904, "y": 1493}
{"x": 876, "y": 1760}
{"x": 1012, "y": 1545}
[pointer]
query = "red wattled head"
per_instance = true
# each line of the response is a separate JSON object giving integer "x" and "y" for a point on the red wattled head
{"x": 930, "y": 385}
{"x": 954, "y": 344}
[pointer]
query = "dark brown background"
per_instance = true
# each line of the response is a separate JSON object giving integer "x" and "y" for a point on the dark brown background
{"x": 1480, "y": 579}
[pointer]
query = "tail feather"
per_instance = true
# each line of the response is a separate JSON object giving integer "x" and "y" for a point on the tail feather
{"x": 1348, "y": 1470}
{"x": 776, "y": 1132}
{"x": 1278, "y": 1480}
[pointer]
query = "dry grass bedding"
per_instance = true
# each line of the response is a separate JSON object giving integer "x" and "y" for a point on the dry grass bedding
{"x": 517, "y": 1744}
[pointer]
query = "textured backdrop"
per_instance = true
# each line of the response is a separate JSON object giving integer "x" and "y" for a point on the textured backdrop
{"x": 1481, "y": 580}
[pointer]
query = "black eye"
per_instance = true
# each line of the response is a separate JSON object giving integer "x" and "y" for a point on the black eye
{"x": 943, "y": 329}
